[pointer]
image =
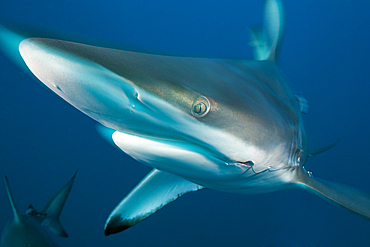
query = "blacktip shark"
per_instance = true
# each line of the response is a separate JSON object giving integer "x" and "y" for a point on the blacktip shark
{"x": 28, "y": 230}
{"x": 222, "y": 124}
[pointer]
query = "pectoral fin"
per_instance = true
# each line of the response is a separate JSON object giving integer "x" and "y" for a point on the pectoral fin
{"x": 54, "y": 208}
{"x": 343, "y": 195}
{"x": 17, "y": 217}
{"x": 317, "y": 151}
{"x": 155, "y": 191}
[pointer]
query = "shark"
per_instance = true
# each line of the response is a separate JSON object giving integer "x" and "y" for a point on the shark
{"x": 30, "y": 229}
{"x": 231, "y": 125}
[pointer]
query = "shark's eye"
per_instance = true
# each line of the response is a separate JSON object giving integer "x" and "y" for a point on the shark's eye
{"x": 200, "y": 107}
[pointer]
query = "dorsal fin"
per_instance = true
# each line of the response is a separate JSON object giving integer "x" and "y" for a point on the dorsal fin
{"x": 266, "y": 39}
{"x": 17, "y": 217}
{"x": 54, "y": 208}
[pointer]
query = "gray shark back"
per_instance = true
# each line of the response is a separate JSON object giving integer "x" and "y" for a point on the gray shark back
{"x": 245, "y": 91}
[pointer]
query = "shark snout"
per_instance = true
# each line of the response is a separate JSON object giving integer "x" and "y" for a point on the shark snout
{"x": 87, "y": 85}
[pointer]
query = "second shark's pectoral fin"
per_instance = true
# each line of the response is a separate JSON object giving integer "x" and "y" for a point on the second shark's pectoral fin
{"x": 155, "y": 191}
{"x": 54, "y": 208}
{"x": 345, "y": 196}
{"x": 17, "y": 217}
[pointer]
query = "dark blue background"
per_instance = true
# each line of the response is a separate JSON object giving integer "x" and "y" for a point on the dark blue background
{"x": 44, "y": 140}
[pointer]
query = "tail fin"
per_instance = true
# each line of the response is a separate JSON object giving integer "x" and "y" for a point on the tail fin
{"x": 17, "y": 217}
{"x": 54, "y": 208}
{"x": 345, "y": 196}
{"x": 266, "y": 39}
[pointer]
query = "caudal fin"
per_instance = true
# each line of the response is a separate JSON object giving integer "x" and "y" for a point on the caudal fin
{"x": 54, "y": 208}
{"x": 345, "y": 196}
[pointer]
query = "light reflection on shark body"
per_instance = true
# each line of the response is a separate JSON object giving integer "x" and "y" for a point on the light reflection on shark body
{"x": 230, "y": 125}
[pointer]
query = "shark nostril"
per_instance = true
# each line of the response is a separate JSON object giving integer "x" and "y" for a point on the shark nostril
{"x": 59, "y": 88}
{"x": 200, "y": 107}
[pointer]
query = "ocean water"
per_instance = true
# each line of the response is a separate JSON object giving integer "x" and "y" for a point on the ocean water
{"x": 44, "y": 140}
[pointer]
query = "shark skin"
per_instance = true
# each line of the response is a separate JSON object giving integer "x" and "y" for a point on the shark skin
{"x": 223, "y": 124}
{"x": 29, "y": 229}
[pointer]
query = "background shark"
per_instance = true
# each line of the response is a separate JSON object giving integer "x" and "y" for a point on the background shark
{"x": 322, "y": 57}
{"x": 28, "y": 229}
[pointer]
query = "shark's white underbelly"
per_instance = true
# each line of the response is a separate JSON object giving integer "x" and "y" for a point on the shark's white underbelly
{"x": 197, "y": 165}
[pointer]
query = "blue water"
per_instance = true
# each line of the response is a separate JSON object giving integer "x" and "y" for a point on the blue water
{"x": 44, "y": 140}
